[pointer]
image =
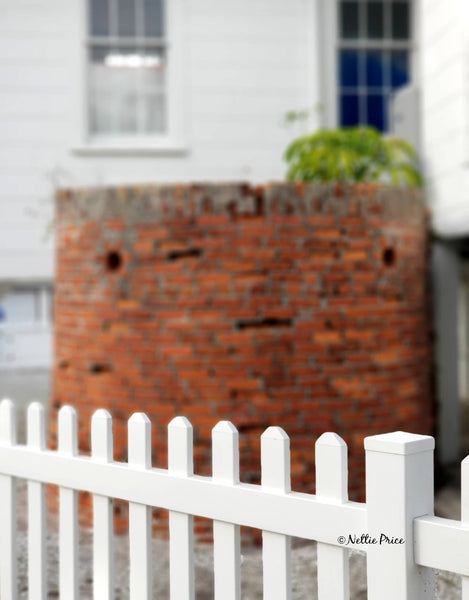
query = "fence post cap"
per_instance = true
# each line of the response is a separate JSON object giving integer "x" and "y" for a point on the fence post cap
{"x": 399, "y": 442}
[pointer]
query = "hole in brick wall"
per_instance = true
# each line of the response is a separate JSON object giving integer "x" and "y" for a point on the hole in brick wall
{"x": 389, "y": 257}
{"x": 98, "y": 368}
{"x": 259, "y": 203}
{"x": 190, "y": 252}
{"x": 63, "y": 365}
{"x": 258, "y": 323}
{"x": 113, "y": 260}
{"x": 248, "y": 427}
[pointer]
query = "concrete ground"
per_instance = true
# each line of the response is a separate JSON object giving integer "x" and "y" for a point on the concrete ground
{"x": 304, "y": 565}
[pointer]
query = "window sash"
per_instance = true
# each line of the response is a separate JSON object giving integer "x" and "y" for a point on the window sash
{"x": 363, "y": 92}
{"x": 138, "y": 107}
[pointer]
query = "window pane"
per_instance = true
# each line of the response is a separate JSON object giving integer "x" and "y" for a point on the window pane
{"x": 349, "y": 20}
{"x": 113, "y": 89}
{"x": 154, "y": 73}
{"x": 399, "y": 68}
{"x": 155, "y": 113}
{"x": 349, "y": 68}
{"x": 20, "y": 306}
{"x": 374, "y": 68}
{"x": 126, "y": 18}
{"x": 154, "y": 18}
{"x": 400, "y": 21}
{"x": 349, "y": 110}
{"x": 375, "y": 26}
{"x": 376, "y": 113}
{"x": 99, "y": 17}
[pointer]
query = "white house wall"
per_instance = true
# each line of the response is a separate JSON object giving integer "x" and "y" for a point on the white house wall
{"x": 247, "y": 64}
{"x": 444, "y": 82}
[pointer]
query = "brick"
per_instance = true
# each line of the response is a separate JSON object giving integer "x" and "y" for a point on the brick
{"x": 355, "y": 357}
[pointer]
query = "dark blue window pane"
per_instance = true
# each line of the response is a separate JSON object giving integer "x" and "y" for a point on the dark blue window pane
{"x": 376, "y": 111}
{"x": 399, "y": 68}
{"x": 349, "y": 20}
{"x": 349, "y": 68}
{"x": 400, "y": 20}
{"x": 349, "y": 110}
{"x": 375, "y": 68}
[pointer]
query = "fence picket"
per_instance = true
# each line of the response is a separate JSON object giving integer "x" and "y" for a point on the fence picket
{"x": 36, "y": 438}
{"x": 465, "y": 515}
{"x": 68, "y": 512}
{"x": 331, "y": 484}
{"x": 276, "y": 548}
{"x": 181, "y": 525}
{"x": 7, "y": 508}
{"x": 103, "y": 567}
{"x": 139, "y": 451}
{"x": 226, "y": 537}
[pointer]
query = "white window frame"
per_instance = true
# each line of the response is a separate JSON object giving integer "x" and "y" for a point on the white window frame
{"x": 328, "y": 32}
{"x": 174, "y": 140}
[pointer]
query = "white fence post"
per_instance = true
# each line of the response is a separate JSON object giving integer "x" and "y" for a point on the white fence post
{"x": 139, "y": 451}
{"x": 36, "y": 510}
{"x": 226, "y": 538}
{"x": 331, "y": 485}
{"x": 7, "y": 508}
{"x": 276, "y": 560}
{"x": 103, "y": 568}
{"x": 399, "y": 487}
{"x": 181, "y": 526}
{"x": 68, "y": 511}
{"x": 465, "y": 514}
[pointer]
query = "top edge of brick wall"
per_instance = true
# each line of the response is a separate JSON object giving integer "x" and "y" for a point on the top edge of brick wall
{"x": 141, "y": 203}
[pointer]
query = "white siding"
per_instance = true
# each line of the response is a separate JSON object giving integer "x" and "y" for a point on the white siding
{"x": 247, "y": 64}
{"x": 444, "y": 80}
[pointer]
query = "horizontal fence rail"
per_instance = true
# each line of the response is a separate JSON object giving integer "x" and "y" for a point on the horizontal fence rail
{"x": 396, "y": 527}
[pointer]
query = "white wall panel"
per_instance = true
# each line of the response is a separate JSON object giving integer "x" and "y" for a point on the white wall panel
{"x": 444, "y": 108}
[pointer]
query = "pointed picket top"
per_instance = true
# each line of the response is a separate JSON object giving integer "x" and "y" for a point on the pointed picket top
{"x": 139, "y": 440}
{"x": 36, "y": 437}
{"x": 180, "y": 446}
{"x": 7, "y": 421}
{"x": 275, "y": 459}
{"x": 68, "y": 441}
{"x": 330, "y": 439}
{"x": 331, "y": 467}
{"x": 225, "y": 452}
{"x": 101, "y": 436}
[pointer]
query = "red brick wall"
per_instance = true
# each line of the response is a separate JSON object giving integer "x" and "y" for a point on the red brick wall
{"x": 300, "y": 306}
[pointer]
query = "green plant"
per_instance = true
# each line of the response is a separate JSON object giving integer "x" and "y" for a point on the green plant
{"x": 350, "y": 155}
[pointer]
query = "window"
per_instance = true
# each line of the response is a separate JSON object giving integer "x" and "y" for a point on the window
{"x": 32, "y": 304}
{"x": 127, "y": 69}
{"x": 374, "y": 53}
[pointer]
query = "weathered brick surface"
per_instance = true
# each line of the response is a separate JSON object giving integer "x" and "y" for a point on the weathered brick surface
{"x": 305, "y": 306}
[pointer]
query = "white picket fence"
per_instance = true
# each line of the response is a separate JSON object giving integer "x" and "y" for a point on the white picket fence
{"x": 399, "y": 491}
